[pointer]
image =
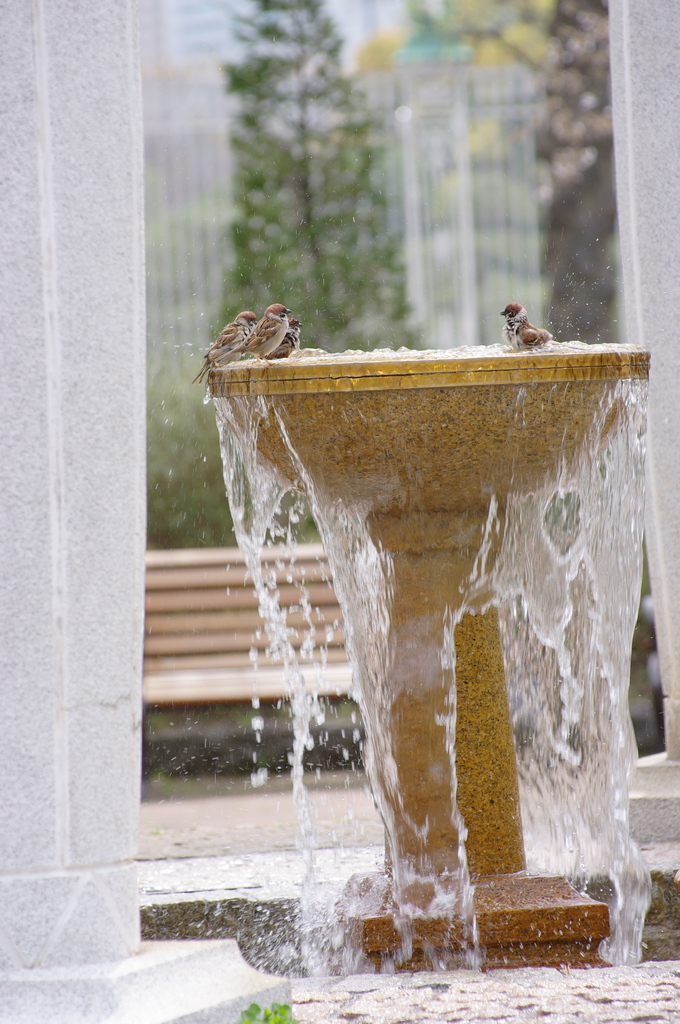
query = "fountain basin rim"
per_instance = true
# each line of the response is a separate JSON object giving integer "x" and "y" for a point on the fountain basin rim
{"x": 295, "y": 376}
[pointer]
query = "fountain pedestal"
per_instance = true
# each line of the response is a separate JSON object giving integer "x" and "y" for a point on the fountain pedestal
{"x": 413, "y": 462}
{"x": 520, "y": 920}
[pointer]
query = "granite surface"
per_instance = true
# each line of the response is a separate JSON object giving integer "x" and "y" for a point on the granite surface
{"x": 645, "y": 101}
{"x": 72, "y": 480}
{"x": 256, "y": 898}
{"x": 611, "y": 995}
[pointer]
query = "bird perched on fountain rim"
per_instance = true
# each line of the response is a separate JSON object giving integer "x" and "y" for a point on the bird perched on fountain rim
{"x": 517, "y": 330}
{"x": 269, "y": 332}
{"x": 291, "y": 341}
{"x": 229, "y": 345}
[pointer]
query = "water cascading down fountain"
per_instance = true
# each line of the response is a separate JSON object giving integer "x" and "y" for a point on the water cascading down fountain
{"x": 481, "y": 513}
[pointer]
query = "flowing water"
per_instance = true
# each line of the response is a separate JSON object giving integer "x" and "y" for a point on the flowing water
{"x": 569, "y": 581}
{"x": 565, "y": 576}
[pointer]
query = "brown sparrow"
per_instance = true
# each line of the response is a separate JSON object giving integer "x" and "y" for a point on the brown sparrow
{"x": 270, "y": 331}
{"x": 229, "y": 345}
{"x": 291, "y": 341}
{"x": 517, "y": 330}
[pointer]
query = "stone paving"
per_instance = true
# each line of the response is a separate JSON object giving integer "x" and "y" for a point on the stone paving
{"x": 645, "y": 993}
{"x": 231, "y": 817}
{"x": 228, "y": 816}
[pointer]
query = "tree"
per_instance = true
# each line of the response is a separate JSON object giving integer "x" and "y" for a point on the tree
{"x": 310, "y": 226}
{"x": 576, "y": 140}
{"x": 187, "y": 504}
{"x": 567, "y": 44}
{"x": 496, "y": 31}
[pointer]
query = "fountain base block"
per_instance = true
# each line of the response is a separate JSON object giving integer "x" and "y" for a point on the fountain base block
{"x": 521, "y": 920}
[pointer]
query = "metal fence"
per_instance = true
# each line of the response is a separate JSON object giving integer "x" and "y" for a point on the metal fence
{"x": 460, "y": 173}
{"x": 188, "y": 183}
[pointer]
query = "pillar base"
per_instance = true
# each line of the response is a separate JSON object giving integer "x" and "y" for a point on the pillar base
{"x": 522, "y": 921}
{"x": 192, "y": 982}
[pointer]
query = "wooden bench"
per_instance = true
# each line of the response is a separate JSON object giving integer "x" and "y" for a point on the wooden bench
{"x": 205, "y": 641}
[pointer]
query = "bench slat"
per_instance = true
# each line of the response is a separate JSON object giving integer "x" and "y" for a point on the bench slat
{"x": 222, "y": 556}
{"x": 319, "y": 594}
{"x": 194, "y": 643}
{"x": 268, "y": 684}
{"x": 212, "y": 622}
{"x": 223, "y": 576}
{"x": 238, "y": 659}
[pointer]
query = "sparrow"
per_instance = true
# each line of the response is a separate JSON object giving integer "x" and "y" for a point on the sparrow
{"x": 291, "y": 341}
{"x": 270, "y": 331}
{"x": 229, "y": 345}
{"x": 517, "y": 330}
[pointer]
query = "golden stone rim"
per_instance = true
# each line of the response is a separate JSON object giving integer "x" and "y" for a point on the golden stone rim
{"x": 297, "y": 377}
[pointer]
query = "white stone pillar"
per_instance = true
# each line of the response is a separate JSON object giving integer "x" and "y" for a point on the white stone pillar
{"x": 71, "y": 481}
{"x": 645, "y": 62}
{"x": 72, "y": 534}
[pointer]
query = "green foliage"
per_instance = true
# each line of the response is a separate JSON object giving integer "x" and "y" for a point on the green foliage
{"x": 280, "y": 1013}
{"x": 187, "y": 503}
{"x": 497, "y": 31}
{"x": 310, "y": 227}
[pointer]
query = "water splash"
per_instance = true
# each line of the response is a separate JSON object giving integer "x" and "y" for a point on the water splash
{"x": 255, "y": 497}
{"x": 562, "y": 563}
{"x": 569, "y": 580}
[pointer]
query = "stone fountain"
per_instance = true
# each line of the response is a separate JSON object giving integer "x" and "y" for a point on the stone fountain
{"x": 414, "y": 465}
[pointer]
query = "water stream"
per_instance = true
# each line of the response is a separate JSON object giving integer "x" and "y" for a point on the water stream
{"x": 563, "y": 566}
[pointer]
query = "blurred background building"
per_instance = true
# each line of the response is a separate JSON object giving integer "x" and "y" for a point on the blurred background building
{"x": 460, "y": 167}
{"x": 463, "y": 175}
{"x": 188, "y": 166}
{"x": 187, "y": 195}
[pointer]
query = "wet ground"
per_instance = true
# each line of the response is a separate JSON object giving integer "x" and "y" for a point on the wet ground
{"x": 226, "y": 839}
{"x": 224, "y": 816}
